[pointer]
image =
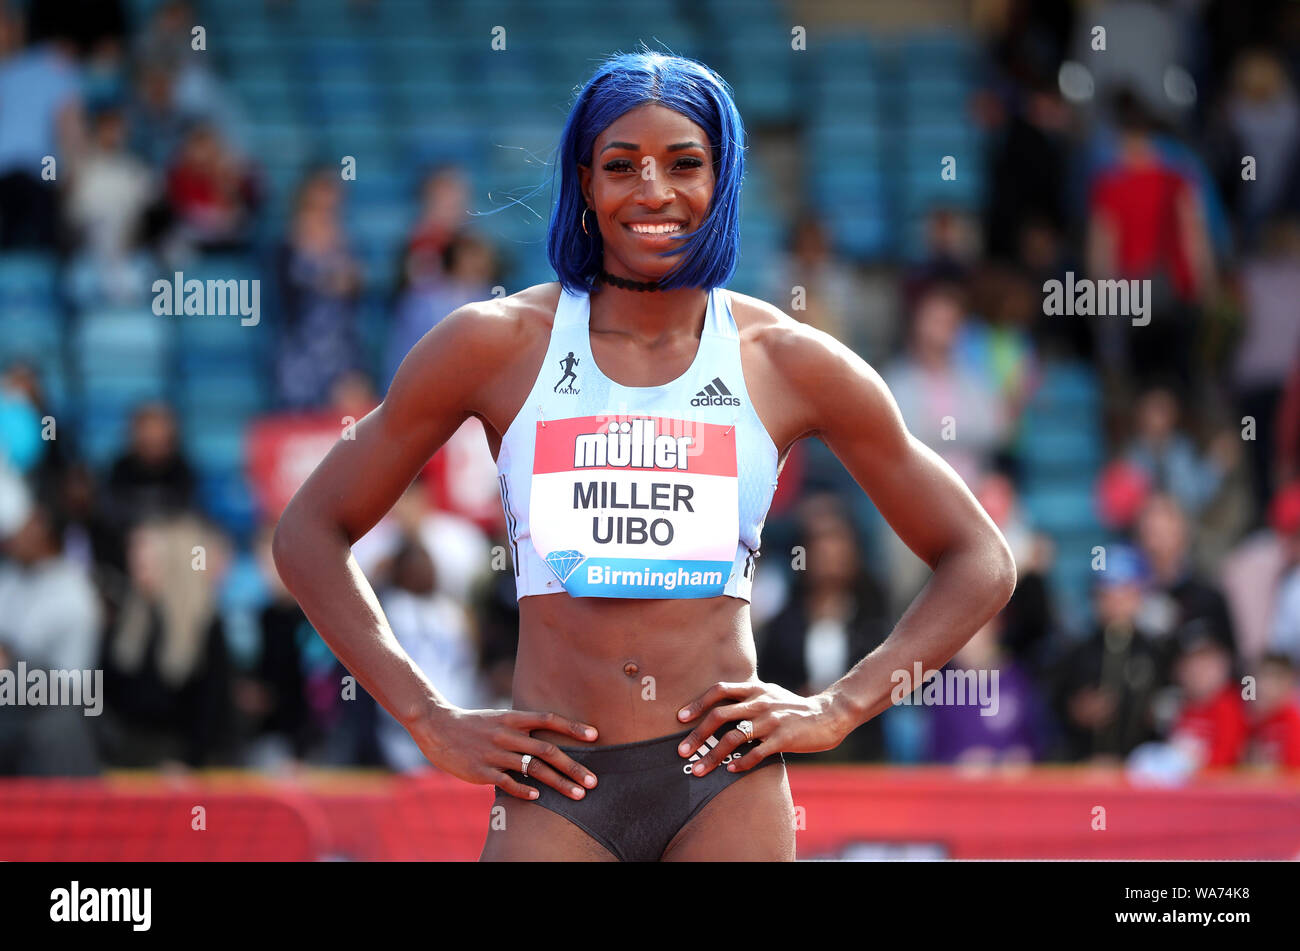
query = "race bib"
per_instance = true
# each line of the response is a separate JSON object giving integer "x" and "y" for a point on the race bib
{"x": 636, "y": 506}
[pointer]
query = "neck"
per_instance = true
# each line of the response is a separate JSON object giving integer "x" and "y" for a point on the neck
{"x": 651, "y": 315}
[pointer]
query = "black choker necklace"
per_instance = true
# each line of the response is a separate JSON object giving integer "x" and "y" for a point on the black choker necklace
{"x": 628, "y": 285}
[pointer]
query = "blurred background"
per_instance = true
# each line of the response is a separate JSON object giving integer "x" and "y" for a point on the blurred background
{"x": 916, "y": 172}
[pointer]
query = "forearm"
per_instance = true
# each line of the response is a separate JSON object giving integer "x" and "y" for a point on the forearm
{"x": 316, "y": 564}
{"x": 966, "y": 589}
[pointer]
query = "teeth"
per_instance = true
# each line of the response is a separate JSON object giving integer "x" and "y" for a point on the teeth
{"x": 656, "y": 229}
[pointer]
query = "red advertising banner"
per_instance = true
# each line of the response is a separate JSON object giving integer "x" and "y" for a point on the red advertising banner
{"x": 283, "y": 450}
{"x": 848, "y": 812}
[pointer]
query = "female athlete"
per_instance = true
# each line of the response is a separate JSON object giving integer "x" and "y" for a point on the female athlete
{"x": 639, "y": 414}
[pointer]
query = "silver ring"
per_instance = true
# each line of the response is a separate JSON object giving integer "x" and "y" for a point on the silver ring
{"x": 528, "y": 758}
{"x": 747, "y": 728}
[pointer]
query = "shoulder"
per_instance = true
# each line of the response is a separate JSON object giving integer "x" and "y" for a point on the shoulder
{"x": 491, "y": 334}
{"x": 815, "y": 369}
{"x": 789, "y": 342}
{"x": 499, "y": 321}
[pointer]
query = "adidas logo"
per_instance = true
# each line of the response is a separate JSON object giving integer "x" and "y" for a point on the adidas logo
{"x": 715, "y": 394}
{"x": 701, "y": 753}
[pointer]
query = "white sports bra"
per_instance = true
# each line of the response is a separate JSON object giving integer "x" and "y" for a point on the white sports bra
{"x": 613, "y": 491}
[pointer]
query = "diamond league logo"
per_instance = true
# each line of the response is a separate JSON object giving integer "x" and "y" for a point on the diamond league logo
{"x": 563, "y": 563}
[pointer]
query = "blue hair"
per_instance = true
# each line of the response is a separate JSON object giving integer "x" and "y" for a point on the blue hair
{"x": 623, "y": 82}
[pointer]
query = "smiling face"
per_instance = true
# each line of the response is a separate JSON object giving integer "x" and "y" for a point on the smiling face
{"x": 651, "y": 177}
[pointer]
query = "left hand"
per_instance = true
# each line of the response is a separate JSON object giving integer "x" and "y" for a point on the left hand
{"x": 783, "y": 722}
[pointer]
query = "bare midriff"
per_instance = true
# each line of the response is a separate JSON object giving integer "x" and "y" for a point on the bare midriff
{"x": 626, "y": 666}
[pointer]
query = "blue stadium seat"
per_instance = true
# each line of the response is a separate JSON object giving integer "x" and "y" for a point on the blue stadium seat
{"x": 26, "y": 279}
{"x": 226, "y": 497}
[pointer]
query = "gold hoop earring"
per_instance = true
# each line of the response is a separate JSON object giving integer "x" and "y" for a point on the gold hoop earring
{"x": 584, "y": 222}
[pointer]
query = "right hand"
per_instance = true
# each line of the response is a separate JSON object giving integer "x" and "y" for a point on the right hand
{"x": 479, "y": 746}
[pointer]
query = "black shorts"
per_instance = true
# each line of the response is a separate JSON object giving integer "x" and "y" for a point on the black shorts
{"x": 645, "y": 792}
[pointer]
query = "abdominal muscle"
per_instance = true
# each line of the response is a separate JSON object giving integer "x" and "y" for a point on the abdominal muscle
{"x": 625, "y": 665}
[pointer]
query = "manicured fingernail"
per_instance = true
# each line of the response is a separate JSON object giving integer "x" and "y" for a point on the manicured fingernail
{"x": 591, "y": 734}
{"x": 697, "y": 768}
{"x": 577, "y": 792}
{"x": 684, "y": 748}
{"x": 589, "y": 781}
{"x": 684, "y": 713}
{"x": 533, "y": 794}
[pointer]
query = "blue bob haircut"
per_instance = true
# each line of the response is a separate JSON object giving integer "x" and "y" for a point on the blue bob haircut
{"x": 623, "y": 82}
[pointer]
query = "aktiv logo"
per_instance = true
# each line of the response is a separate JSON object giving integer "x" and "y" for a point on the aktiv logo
{"x": 715, "y": 394}
{"x": 567, "y": 365}
{"x": 212, "y": 298}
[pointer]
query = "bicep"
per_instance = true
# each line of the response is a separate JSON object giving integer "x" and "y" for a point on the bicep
{"x": 916, "y": 491}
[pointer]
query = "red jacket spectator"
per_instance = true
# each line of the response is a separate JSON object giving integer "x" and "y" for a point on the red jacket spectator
{"x": 1220, "y": 724}
{"x": 1275, "y": 740}
{"x": 1144, "y": 205}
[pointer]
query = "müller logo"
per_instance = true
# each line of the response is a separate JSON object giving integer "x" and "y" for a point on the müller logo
{"x": 634, "y": 443}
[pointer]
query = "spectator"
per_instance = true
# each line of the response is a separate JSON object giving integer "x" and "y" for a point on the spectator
{"x": 1026, "y": 624}
{"x": 1178, "y": 596}
{"x": 51, "y": 611}
{"x": 1106, "y": 685}
{"x": 1275, "y": 715}
{"x": 496, "y": 614}
{"x": 1254, "y": 576}
{"x": 50, "y": 622}
{"x": 156, "y": 123}
{"x": 152, "y": 477}
{"x": 1284, "y": 635}
{"x": 1024, "y": 176}
{"x": 458, "y": 547}
{"x": 435, "y": 631}
{"x": 830, "y": 291}
{"x": 40, "y": 117}
{"x": 1013, "y": 731}
{"x": 319, "y": 284}
{"x": 1260, "y": 119}
{"x": 442, "y": 216}
{"x": 1266, "y": 355}
{"x": 957, "y": 413}
{"x": 1212, "y": 718}
{"x": 1169, "y": 458}
{"x": 195, "y": 91}
{"x": 271, "y": 697}
{"x": 835, "y": 615}
{"x": 211, "y": 192}
{"x": 21, "y": 446}
{"x": 21, "y": 381}
{"x": 1001, "y": 349}
{"x": 1145, "y": 222}
{"x": 952, "y": 247}
{"x": 467, "y": 272}
{"x": 111, "y": 192}
{"x": 166, "y": 669}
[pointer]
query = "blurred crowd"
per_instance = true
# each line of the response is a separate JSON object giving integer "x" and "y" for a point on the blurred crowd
{"x": 1182, "y": 653}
